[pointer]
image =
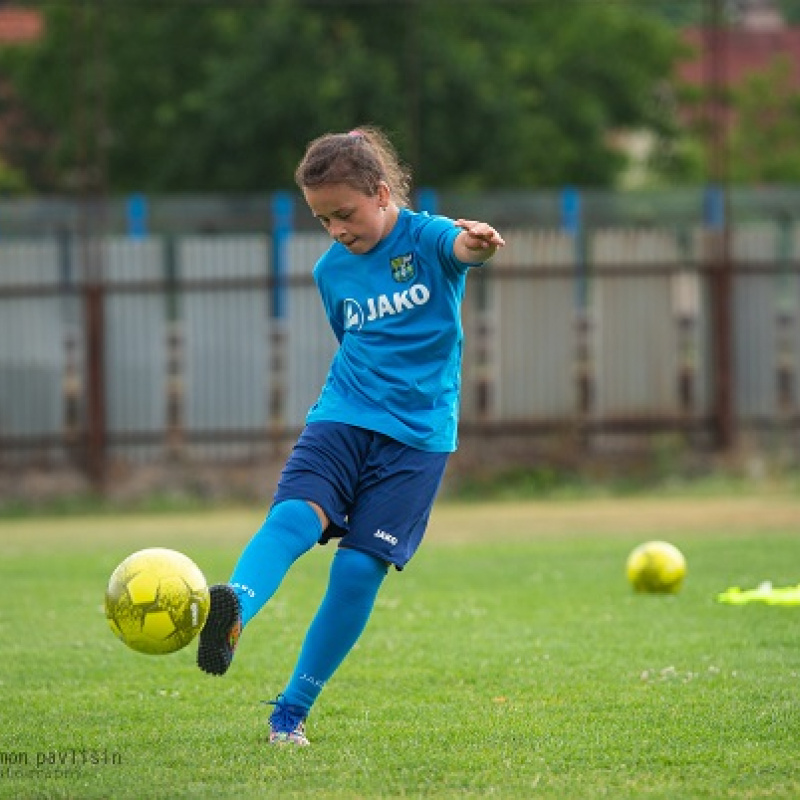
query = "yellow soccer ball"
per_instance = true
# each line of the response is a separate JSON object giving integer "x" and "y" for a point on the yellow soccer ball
{"x": 157, "y": 601}
{"x": 656, "y": 567}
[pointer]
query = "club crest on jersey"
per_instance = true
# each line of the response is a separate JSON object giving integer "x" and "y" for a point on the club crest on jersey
{"x": 403, "y": 269}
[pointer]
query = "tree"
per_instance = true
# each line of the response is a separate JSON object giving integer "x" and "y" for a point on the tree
{"x": 188, "y": 96}
{"x": 766, "y": 128}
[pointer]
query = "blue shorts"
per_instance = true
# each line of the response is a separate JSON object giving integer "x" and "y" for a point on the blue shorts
{"x": 376, "y": 492}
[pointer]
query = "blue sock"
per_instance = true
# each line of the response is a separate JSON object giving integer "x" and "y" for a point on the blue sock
{"x": 290, "y": 529}
{"x": 353, "y": 586}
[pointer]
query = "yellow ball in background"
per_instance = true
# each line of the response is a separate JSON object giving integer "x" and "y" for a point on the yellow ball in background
{"x": 656, "y": 568}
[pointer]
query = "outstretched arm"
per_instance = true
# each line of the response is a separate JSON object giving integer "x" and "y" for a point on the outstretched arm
{"x": 477, "y": 242}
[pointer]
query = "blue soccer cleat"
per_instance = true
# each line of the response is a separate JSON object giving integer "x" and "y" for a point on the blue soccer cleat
{"x": 287, "y": 723}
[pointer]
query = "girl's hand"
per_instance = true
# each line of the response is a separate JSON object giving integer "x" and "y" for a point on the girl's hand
{"x": 478, "y": 238}
{"x": 480, "y": 235}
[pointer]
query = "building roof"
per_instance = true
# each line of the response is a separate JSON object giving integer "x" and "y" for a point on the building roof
{"x": 758, "y": 37}
{"x": 741, "y": 52}
{"x": 19, "y": 25}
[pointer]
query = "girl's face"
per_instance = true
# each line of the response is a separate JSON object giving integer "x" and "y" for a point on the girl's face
{"x": 356, "y": 220}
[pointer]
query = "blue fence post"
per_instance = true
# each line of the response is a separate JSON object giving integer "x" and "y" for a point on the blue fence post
{"x": 282, "y": 222}
{"x": 714, "y": 207}
{"x": 137, "y": 214}
{"x": 572, "y": 223}
{"x": 282, "y": 208}
{"x": 571, "y": 210}
{"x": 428, "y": 200}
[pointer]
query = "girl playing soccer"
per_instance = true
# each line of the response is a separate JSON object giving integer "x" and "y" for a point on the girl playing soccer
{"x": 368, "y": 464}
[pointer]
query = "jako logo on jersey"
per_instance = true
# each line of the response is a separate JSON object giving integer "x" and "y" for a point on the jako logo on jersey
{"x": 403, "y": 269}
{"x": 387, "y": 537}
{"x": 353, "y": 314}
{"x": 383, "y": 305}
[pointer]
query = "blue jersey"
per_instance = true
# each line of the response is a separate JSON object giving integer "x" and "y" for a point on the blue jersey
{"x": 396, "y": 312}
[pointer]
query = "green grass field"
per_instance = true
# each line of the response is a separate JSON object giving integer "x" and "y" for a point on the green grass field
{"x": 510, "y": 659}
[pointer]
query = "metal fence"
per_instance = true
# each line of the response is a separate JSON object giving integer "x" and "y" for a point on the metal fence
{"x": 175, "y": 340}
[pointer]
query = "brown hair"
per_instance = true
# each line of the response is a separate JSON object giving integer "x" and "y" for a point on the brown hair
{"x": 361, "y": 159}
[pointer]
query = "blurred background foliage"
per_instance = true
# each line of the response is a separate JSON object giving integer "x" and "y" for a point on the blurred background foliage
{"x": 194, "y": 96}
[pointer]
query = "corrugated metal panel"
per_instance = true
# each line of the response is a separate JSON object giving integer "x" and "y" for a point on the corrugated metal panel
{"x": 136, "y": 343}
{"x": 31, "y": 262}
{"x": 310, "y": 341}
{"x": 479, "y": 356}
{"x": 636, "y": 325}
{"x": 536, "y": 325}
{"x": 793, "y": 309}
{"x": 755, "y": 312}
{"x": 692, "y": 303}
{"x": 31, "y": 341}
{"x": 226, "y": 337}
